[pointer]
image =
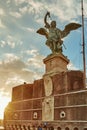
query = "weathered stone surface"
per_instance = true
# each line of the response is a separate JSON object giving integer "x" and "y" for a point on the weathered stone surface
{"x": 37, "y": 104}
{"x": 28, "y": 91}
{"x": 48, "y": 109}
{"x": 59, "y": 83}
{"x": 38, "y": 89}
{"x": 55, "y": 63}
{"x": 27, "y": 105}
{"x": 48, "y": 85}
{"x": 75, "y": 80}
{"x": 26, "y": 115}
{"x": 17, "y": 93}
{"x": 24, "y": 91}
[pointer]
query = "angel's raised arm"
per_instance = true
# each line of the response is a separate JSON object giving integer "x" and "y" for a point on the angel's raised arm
{"x": 47, "y": 25}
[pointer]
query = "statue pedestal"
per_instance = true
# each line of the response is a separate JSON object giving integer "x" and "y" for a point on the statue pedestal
{"x": 55, "y": 63}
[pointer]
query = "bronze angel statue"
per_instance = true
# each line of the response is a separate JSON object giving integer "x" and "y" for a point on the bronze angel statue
{"x": 54, "y": 35}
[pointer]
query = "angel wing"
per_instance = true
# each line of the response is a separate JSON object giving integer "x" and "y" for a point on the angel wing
{"x": 43, "y": 31}
{"x": 70, "y": 27}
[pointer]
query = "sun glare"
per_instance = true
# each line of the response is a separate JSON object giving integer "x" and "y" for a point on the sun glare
{"x": 3, "y": 103}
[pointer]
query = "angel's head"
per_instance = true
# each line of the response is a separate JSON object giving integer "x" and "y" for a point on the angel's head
{"x": 53, "y": 24}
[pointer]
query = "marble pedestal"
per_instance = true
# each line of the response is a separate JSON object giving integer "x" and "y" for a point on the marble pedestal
{"x": 55, "y": 63}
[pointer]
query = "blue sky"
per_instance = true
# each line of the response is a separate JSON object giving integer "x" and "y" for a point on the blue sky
{"x": 22, "y": 50}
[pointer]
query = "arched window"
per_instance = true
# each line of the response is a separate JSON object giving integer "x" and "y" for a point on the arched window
{"x": 32, "y": 127}
{"x": 58, "y": 128}
{"x": 75, "y": 128}
{"x": 39, "y": 128}
{"x": 28, "y": 127}
{"x": 67, "y": 128}
{"x": 51, "y": 128}
{"x": 45, "y": 127}
{"x": 24, "y": 127}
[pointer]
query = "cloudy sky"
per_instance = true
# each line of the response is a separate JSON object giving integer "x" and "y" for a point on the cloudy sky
{"x": 22, "y": 50}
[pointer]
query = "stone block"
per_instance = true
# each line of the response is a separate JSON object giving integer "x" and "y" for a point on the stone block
{"x": 55, "y": 63}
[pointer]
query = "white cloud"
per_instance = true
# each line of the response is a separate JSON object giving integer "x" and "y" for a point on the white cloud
{"x": 1, "y": 24}
{"x": 64, "y": 10}
{"x": 71, "y": 66}
{"x": 18, "y": 2}
{"x": 23, "y": 10}
{"x": 39, "y": 20}
{"x": 14, "y": 81}
{"x": 3, "y": 93}
{"x": 15, "y": 14}
{"x": 8, "y": 1}
{"x": 29, "y": 29}
{"x": 10, "y": 56}
{"x": 11, "y": 44}
{"x": 11, "y": 61}
{"x": 10, "y": 41}
{"x": 13, "y": 71}
{"x": 36, "y": 62}
{"x": 2, "y": 43}
{"x": 35, "y": 7}
{"x": 31, "y": 52}
{"x": 2, "y": 12}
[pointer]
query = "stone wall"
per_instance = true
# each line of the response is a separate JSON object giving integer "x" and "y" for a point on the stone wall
{"x": 63, "y": 92}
